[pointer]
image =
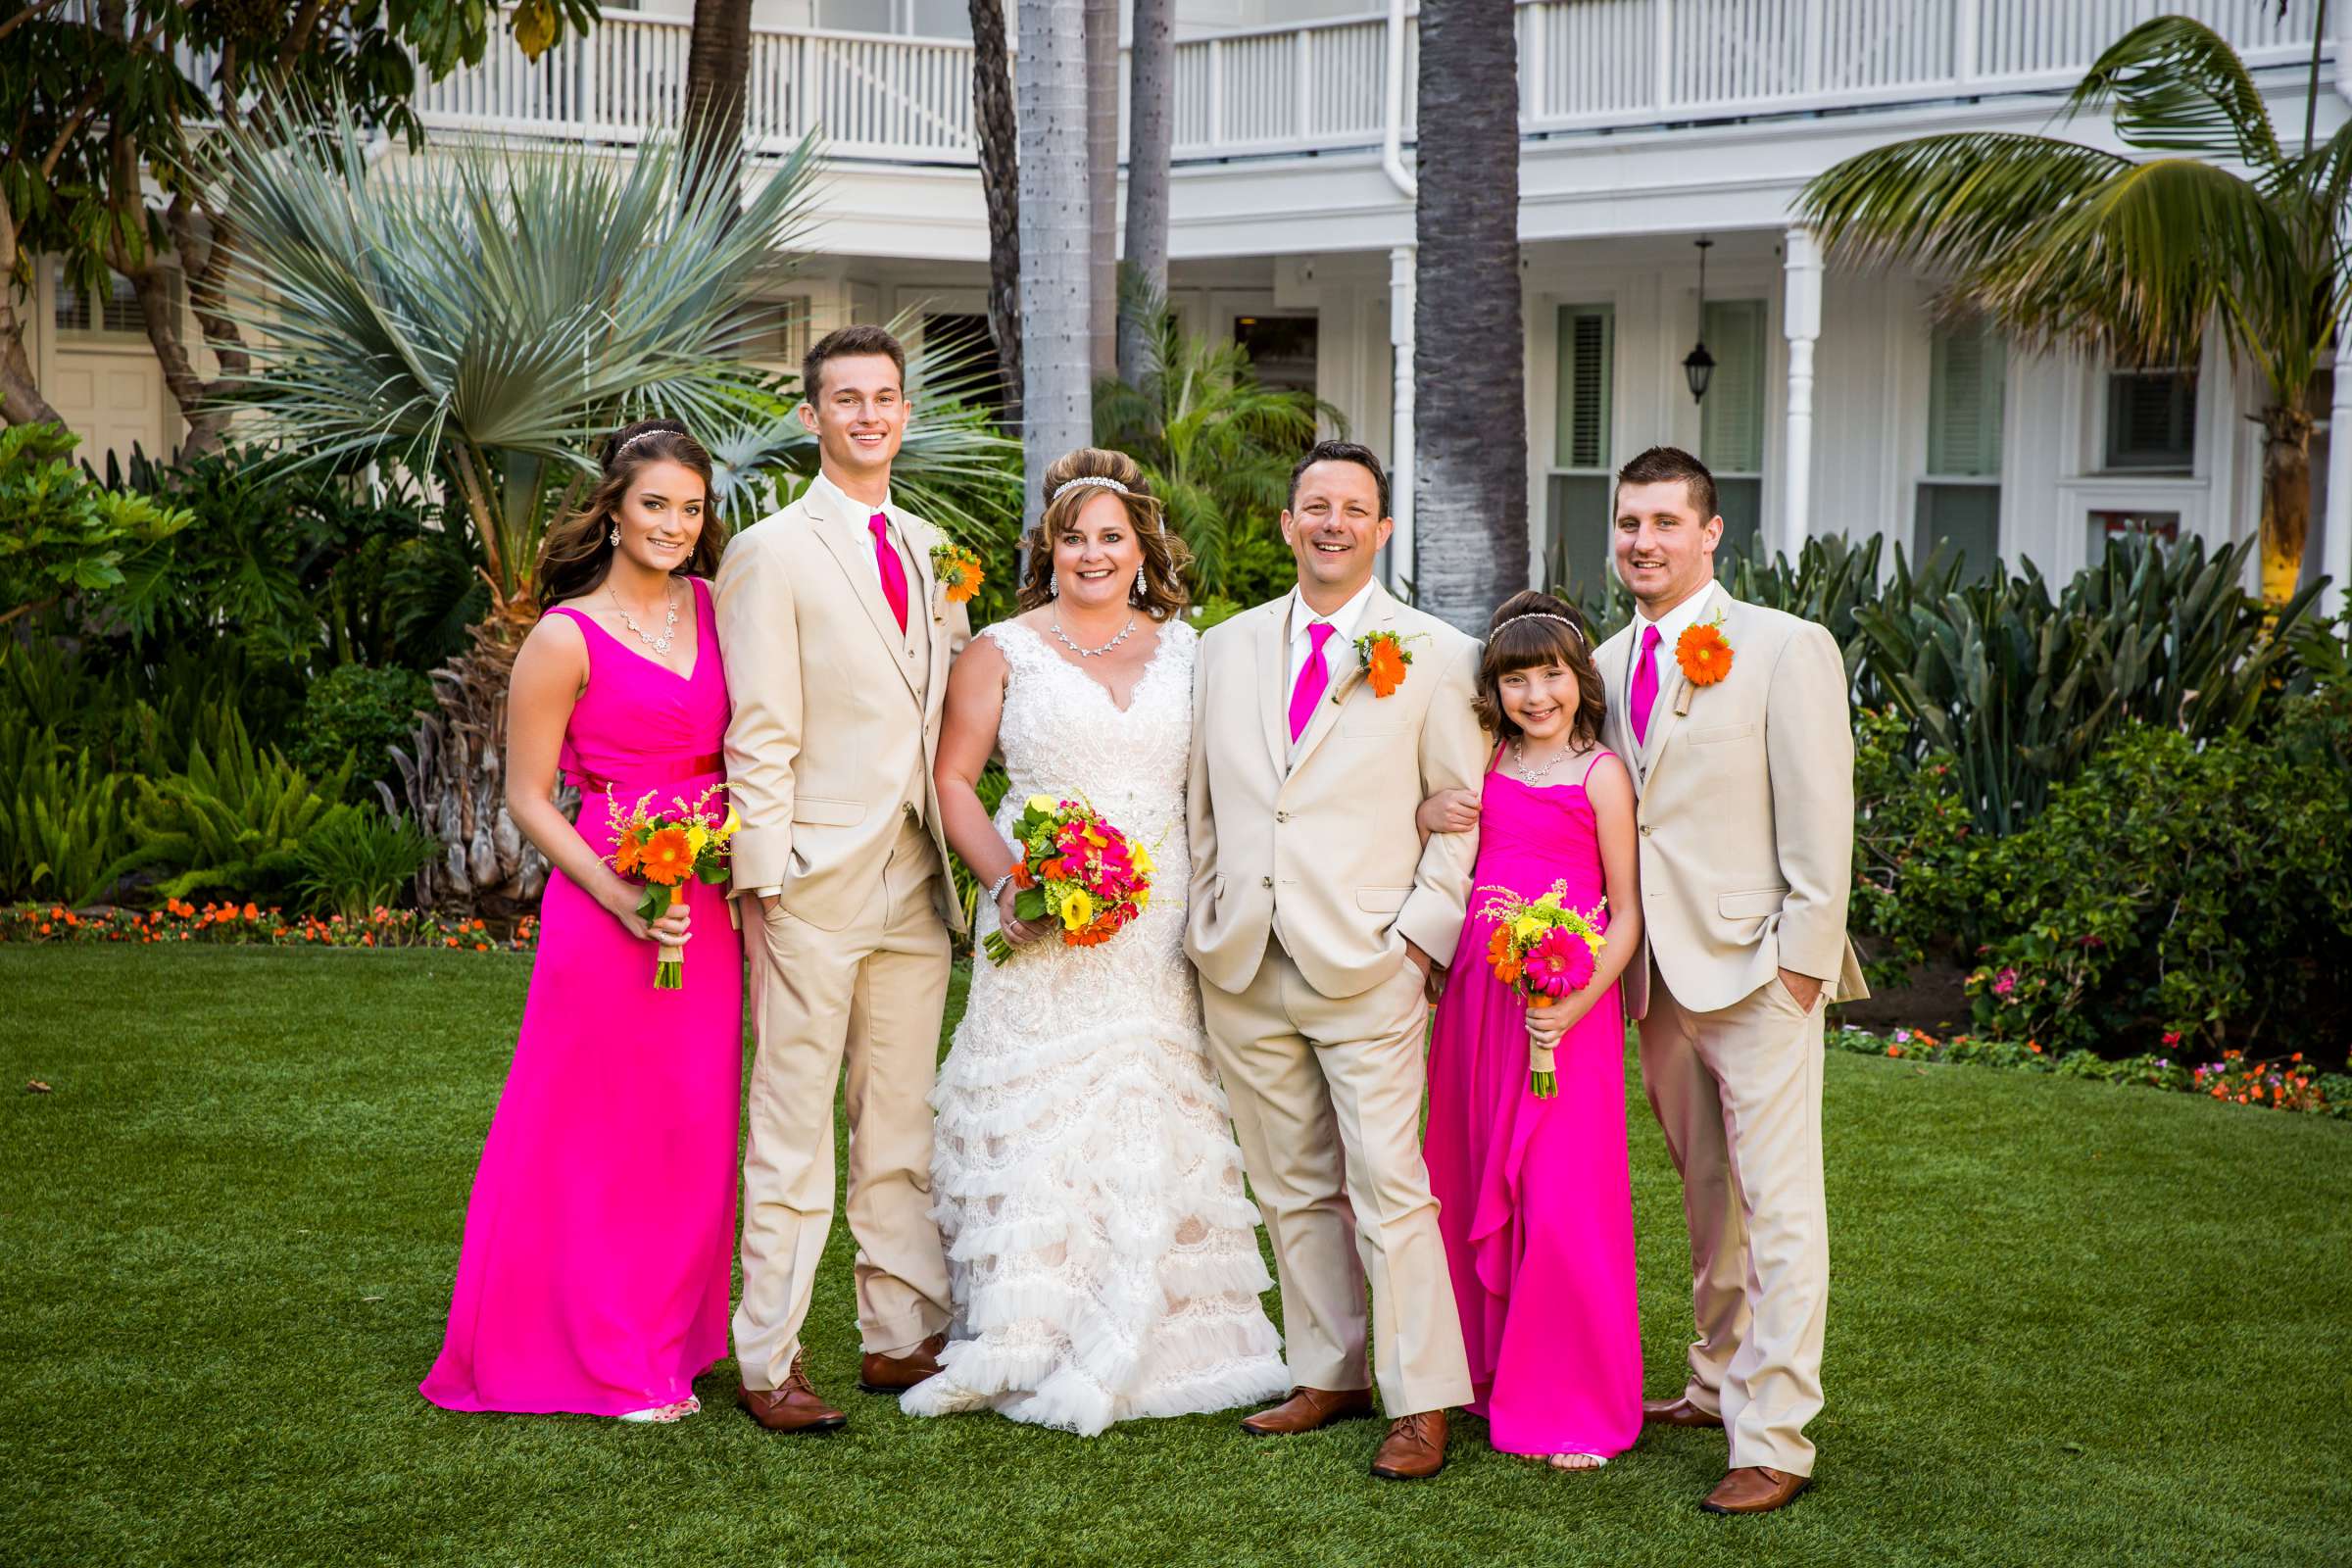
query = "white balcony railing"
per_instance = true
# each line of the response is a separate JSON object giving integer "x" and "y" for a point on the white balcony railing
{"x": 1583, "y": 64}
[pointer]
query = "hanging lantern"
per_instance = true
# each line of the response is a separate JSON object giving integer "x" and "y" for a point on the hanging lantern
{"x": 1698, "y": 366}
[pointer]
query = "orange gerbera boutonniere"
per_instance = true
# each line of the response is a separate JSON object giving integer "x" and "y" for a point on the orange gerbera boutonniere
{"x": 1385, "y": 660}
{"x": 959, "y": 571}
{"x": 1703, "y": 653}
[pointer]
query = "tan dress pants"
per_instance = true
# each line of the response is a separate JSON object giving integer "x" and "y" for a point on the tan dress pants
{"x": 1737, "y": 1094}
{"x": 872, "y": 993}
{"x": 1327, "y": 1101}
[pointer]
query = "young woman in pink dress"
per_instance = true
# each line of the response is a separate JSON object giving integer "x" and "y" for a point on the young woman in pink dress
{"x": 1533, "y": 1192}
{"x": 594, "y": 1274}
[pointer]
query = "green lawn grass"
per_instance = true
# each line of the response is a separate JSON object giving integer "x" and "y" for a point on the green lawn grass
{"x": 2070, "y": 1324}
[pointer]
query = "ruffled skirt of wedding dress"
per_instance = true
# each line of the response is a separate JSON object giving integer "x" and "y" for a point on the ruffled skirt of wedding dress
{"x": 1101, "y": 1249}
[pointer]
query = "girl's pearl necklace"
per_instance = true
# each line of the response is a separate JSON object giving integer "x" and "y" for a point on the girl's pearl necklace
{"x": 1519, "y": 762}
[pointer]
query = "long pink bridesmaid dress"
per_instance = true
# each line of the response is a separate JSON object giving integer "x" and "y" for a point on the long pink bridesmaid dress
{"x": 1534, "y": 1197}
{"x": 594, "y": 1274}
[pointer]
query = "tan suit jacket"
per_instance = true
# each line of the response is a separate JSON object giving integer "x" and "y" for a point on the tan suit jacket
{"x": 1315, "y": 842}
{"x": 837, "y": 713}
{"x": 1745, "y": 811}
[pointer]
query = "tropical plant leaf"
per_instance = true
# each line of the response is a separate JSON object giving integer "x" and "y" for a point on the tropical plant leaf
{"x": 2172, "y": 84}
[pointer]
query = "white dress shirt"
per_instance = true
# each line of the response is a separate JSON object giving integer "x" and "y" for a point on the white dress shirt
{"x": 1671, "y": 626}
{"x": 1342, "y": 622}
{"x": 859, "y": 509}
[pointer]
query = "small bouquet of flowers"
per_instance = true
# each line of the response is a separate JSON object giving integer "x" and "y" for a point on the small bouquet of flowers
{"x": 1078, "y": 868}
{"x": 665, "y": 848}
{"x": 1545, "y": 951}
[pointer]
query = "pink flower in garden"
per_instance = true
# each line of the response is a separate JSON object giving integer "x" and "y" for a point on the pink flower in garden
{"x": 1558, "y": 963}
{"x": 2005, "y": 982}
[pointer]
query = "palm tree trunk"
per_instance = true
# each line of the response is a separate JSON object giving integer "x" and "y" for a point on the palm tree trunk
{"x": 1103, "y": 184}
{"x": 1469, "y": 391}
{"x": 1056, "y": 399}
{"x": 719, "y": 56}
{"x": 21, "y": 400}
{"x": 1000, "y": 185}
{"x": 2285, "y": 500}
{"x": 1151, "y": 133}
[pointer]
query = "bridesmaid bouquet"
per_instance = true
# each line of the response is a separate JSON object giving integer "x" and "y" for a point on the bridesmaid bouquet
{"x": 1078, "y": 868}
{"x": 665, "y": 848}
{"x": 1545, "y": 951}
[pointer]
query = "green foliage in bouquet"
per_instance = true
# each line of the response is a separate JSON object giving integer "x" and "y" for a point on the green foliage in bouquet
{"x": 357, "y": 861}
{"x": 235, "y": 821}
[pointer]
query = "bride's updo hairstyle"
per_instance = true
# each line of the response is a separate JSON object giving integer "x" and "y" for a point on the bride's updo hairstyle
{"x": 1163, "y": 595}
{"x": 578, "y": 550}
{"x": 1529, "y": 631}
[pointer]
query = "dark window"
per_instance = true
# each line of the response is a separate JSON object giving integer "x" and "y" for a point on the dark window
{"x": 966, "y": 338}
{"x": 2152, "y": 419}
{"x": 1282, "y": 349}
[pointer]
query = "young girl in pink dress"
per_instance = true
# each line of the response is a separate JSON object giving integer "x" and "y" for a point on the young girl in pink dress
{"x": 1534, "y": 1194}
{"x": 595, "y": 1269}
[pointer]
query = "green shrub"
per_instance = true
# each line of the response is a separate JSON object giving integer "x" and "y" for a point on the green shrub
{"x": 63, "y": 819}
{"x": 1916, "y": 849}
{"x": 359, "y": 860}
{"x": 66, "y": 534}
{"x": 2204, "y": 890}
{"x": 356, "y": 712}
{"x": 235, "y": 821}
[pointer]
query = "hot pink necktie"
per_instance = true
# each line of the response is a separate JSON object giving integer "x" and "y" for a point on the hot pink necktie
{"x": 1646, "y": 684}
{"x": 894, "y": 571}
{"x": 1315, "y": 679}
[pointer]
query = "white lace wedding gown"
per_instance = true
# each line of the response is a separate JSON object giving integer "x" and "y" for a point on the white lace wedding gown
{"x": 1103, "y": 1254}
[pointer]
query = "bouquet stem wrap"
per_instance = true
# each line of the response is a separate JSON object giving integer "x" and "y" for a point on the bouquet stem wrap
{"x": 1546, "y": 951}
{"x": 665, "y": 848}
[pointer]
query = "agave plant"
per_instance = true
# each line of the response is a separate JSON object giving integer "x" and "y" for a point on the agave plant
{"x": 2068, "y": 245}
{"x": 1218, "y": 445}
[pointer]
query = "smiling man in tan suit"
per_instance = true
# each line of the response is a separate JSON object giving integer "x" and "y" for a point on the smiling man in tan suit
{"x": 1746, "y": 823}
{"x": 1317, "y": 915}
{"x": 837, "y": 642}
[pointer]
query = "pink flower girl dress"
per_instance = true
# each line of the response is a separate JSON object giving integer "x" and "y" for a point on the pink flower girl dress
{"x": 1535, "y": 1196}
{"x": 594, "y": 1274}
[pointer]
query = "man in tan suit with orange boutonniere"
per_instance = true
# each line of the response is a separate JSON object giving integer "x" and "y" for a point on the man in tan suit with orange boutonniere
{"x": 838, "y": 638}
{"x": 1321, "y": 722}
{"x": 1734, "y": 720}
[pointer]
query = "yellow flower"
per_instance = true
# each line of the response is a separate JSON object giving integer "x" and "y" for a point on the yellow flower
{"x": 726, "y": 829}
{"x": 1040, "y": 802}
{"x": 1078, "y": 911}
{"x": 1140, "y": 857}
{"x": 697, "y": 836}
{"x": 1527, "y": 927}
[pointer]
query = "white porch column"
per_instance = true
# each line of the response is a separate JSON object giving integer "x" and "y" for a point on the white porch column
{"x": 1800, "y": 323}
{"x": 2335, "y": 545}
{"x": 1401, "y": 260}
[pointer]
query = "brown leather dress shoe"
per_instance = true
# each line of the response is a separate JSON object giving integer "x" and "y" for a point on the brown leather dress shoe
{"x": 896, "y": 1374}
{"x": 1754, "y": 1489}
{"x": 1676, "y": 1412}
{"x": 1309, "y": 1411}
{"x": 794, "y": 1407}
{"x": 1415, "y": 1449}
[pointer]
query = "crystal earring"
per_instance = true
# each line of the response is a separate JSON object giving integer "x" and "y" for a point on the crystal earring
{"x": 614, "y": 536}
{"x": 1053, "y": 588}
{"x": 1142, "y": 585}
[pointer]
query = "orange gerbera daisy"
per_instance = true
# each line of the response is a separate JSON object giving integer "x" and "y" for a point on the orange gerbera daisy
{"x": 958, "y": 570}
{"x": 627, "y": 853}
{"x": 668, "y": 856}
{"x": 1387, "y": 672}
{"x": 1704, "y": 654}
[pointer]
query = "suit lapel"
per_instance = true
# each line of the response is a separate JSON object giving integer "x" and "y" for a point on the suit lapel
{"x": 1674, "y": 689}
{"x": 1273, "y": 671}
{"x": 1608, "y": 663}
{"x": 853, "y": 548}
{"x": 1346, "y": 673}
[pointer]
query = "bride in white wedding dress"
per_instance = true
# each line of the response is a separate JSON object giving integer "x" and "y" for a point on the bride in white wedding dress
{"x": 1102, "y": 1252}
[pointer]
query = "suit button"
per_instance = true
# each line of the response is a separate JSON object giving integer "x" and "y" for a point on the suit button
{"x": 1646, "y": 830}
{"x": 1266, "y": 881}
{"x": 1282, "y": 817}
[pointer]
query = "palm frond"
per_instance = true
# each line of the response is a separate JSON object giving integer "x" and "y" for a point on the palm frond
{"x": 1953, "y": 203}
{"x": 2173, "y": 84}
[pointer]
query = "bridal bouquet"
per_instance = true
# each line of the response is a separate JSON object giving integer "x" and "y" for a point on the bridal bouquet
{"x": 1545, "y": 951}
{"x": 1078, "y": 868}
{"x": 665, "y": 848}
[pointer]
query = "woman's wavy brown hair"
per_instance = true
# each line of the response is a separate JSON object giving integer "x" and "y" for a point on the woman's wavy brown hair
{"x": 1165, "y": 555}
{"x": 578, "y": 551}
{"x": 1524, "y": 635}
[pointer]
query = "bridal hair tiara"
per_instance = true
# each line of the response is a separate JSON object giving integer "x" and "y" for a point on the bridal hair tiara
{"x": 1087, "y": 478}
{"x": 1545, "y": 615}
{"x": 642, "y": 435}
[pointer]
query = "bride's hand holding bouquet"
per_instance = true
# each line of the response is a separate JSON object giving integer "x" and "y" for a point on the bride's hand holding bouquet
{"x": 1074, "y": 869}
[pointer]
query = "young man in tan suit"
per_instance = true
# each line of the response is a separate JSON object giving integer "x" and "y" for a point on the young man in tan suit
{"x": 837, "y": 642}
{"x": 1746, "y": 824}
{"x": 1317, "y": 915}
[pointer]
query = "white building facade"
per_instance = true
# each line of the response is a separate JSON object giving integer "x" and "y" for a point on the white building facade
{"x": 1839, "y": 405}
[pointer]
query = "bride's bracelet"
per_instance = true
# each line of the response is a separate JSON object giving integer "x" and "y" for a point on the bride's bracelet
{"x": 998, "y": 891}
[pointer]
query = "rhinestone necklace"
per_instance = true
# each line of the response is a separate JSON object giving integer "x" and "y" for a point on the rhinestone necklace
{"x": 660, "y": 643}
{"x": 1519, "y": 761}
{"x": 1063, "y": 637}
